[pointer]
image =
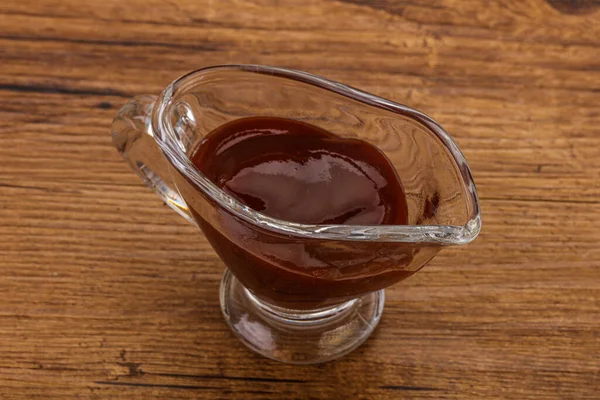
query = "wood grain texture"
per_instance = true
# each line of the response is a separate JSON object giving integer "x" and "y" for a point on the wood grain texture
{"x": 107, "y": 294}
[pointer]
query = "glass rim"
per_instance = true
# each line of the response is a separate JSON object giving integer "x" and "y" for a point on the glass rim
{"x": 174, "y": 151}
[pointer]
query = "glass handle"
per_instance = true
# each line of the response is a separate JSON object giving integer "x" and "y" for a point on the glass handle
{"x": 133, "y": 137}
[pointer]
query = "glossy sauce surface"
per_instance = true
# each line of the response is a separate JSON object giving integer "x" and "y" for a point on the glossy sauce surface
{"x": 297, "y": 172}
{"x": 300, "y": 173}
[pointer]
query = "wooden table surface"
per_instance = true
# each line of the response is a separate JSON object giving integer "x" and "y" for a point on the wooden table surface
{"x": 107, "y": 294}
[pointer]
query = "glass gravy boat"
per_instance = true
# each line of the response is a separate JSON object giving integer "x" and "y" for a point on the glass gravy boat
{"x": 293, "y": 292}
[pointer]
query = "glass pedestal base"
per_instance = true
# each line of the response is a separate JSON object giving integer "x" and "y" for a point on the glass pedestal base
{"x": 298, "y": 336}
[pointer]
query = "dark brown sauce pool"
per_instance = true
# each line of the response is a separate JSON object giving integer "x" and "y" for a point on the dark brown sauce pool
{"x": 297, "y": 172}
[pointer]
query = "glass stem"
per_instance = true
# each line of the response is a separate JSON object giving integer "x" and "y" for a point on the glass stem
{"x": 302, "y": 317}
